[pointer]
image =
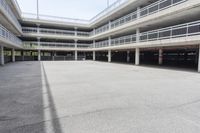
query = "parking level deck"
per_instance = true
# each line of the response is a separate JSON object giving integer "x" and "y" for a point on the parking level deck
{"x": 97, "y": 97}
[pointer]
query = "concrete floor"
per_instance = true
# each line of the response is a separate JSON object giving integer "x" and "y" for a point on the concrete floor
{"x": 97, "y": 97}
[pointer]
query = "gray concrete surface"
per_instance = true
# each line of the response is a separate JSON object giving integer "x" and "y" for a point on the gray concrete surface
{"x": 97, "y": 97}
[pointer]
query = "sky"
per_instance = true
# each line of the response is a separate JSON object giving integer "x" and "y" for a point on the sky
{"x": 79, "y": 9}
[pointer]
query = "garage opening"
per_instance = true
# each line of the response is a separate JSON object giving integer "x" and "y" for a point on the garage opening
{"x": 102, "y": 56}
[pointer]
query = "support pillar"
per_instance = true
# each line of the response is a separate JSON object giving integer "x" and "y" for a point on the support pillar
{"x": 54, "y": 54}
{"x": 109, "y": 55}
{"x": 160, "y": 57}
{"x": 138, "y": 12}
{"x": 109, "y": 24}
{"x": 137, "y": 56}
{"x": 137, "y": 35}
{"x": 13, "y": 55}
{"x": 128, "y": 57}
{"x": 39, "y": 55}
{"x": 76, "y": 52}
{"x": 22, "y": 53}
{"x": 76, "y": 55}
{"x": 109, "y": 41}
{"x": 199, "y": 61}
{"x": 75, "y": 29}
{"x": 94, "y": 55}
{"x": 2, "y": 55}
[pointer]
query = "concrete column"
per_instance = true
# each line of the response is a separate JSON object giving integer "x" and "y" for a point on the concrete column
{"x": 54, "y": 54}
{"x": 39, "y": 55}
{"x": 94, "y": 31}
{"x": 109, "y": 55}
{"x": 94, "y": 43}
{"x": 13, "y": 55}
{"x": 22, "y": 53}
{"x": 76, "y": 55}
{"x": 2, "y": 55}
{"x": 199, "y": 60}
{"x": 138, "y": 12}
{"x": 38, "y": 28}
{"x": 109, "y": 23}
{"x": 94, "y": 55}
{"x": 160, "y": 57}
{"x": 128, "y": 56}
{"x": 109, "y": 41}
{"x": 76, "y": 52}
{"x": 137, "y": 35}
{"x": 137, "y": 56}
{"x": 75, "y": 31}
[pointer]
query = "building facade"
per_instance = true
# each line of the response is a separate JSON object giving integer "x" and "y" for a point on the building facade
{"x": 158, "y": 32}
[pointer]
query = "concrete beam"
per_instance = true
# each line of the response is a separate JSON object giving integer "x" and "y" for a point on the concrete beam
{"x": 2, "y": 55}
{"x": 94, "y": 55}
{"x": 137, "y": 56}
{"x": 109, "y": 56}
{"x": 160, "y": 57}
{"x": 13, "y": 55}
{"x": 199, "y": 60}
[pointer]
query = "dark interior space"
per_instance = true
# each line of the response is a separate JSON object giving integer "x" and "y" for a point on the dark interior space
{"x": 7, "y": 55}
{"x": 185, "y": 58}
{"x": 102, "y": 56}
{"x": 85, "y": 55}
{"x": 46, "y": 56}
{"x": 63, "y": 55}
{"x": 149, "y": 57}
{"x": 123, "y": 56}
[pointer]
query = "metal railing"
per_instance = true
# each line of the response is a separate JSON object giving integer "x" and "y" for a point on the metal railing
{"x": 54, "y": 18}
{"x": 102, "y": 29}
{"x": 54, "y": 31}
{"x": 123, "y": 40}
{"x": 158, "y": 6}
{"x": 145, "y": 11}
{"x": 8, "y": 11}
{"x": 109, "y": 9}
{"x": 125, "y": 19}
{"x": 4, "y": 33}
{"x": 102, "y": 44}
{"x": 182, "y": 30}
{"x": 34, "y": 45}
{"x": 84, "y": 34}
{"x": 72, "y": 20}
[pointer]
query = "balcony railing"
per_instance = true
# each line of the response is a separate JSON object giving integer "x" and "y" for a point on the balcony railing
{"x": 158, "y": 6}
{"x": 4, "y": 33}
{"x": 109, "y": 9}
{"x": 145, "y": 11}
{"x": 72, "y": 20}
{"x": 34, "y": 45}
{"x": 8, "y": 11}
{"x": 102, "y": 44}
{"x": 54, "y": 31}
{"x": 123, "y": 40}
{"x": 130, "y": 17}
{"x": 102, "y": 29}
{"x": 182, "y": 30}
